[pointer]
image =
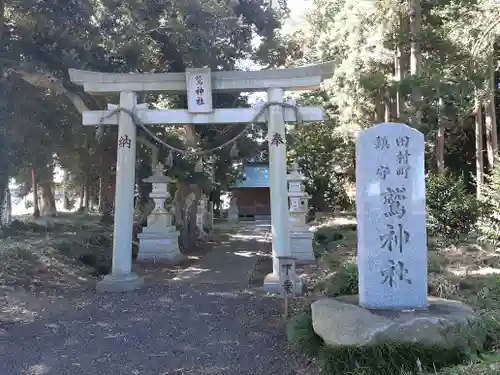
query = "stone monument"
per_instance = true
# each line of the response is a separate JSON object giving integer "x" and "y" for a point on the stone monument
{"x": 301, "y": 238}
{"x": 233, "y": 214}
{"x": 393, "y": 305}
{"x": 159, "y": 240}
{"x": 391, "y": 215}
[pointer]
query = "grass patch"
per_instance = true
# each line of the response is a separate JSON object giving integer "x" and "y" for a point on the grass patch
{"x": 18, "y": 227}
{"x": 488, "y": 365}
{"x": 384, "y": 359}
{"x": 91, "y": 250}
{"x": 300, "y": 332}
{"x": 343, "y": 282}
{"x": 68, "y": 251}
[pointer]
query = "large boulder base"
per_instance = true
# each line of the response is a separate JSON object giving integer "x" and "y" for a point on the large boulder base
{"x": 342, "y": 322}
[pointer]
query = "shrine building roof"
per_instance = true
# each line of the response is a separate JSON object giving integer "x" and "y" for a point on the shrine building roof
{"x": 254, "y": 176}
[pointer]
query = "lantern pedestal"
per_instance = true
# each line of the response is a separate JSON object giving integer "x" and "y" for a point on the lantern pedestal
{"x": 301, "y": 243}
{"x": 159, "y": 247}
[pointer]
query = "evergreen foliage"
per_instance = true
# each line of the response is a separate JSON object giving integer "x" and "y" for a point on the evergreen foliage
{"x": 489, "y": 223}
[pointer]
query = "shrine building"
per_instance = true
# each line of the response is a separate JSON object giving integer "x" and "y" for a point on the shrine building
{"x": 252, "y": 192}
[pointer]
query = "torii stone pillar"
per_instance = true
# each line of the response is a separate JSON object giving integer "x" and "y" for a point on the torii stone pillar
{"x": 122, "y": 279}
{"x": 278, "y": 183}
{"x": 199, "y": 85}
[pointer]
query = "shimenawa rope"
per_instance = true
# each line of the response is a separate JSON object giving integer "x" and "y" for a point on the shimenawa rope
{"x": 262, "y": 109}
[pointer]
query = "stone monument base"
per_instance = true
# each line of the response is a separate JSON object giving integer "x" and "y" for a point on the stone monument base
{"x": 272, "y": 285}
{"x": 119, "y": 283}
{"x": 159, "y": 247}
{"x": 301, "y": 244}
{"x": 342, "y": 322}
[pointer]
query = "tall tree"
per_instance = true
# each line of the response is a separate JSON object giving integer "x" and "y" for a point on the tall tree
{"x": 415, "y": 16}
{"x": 490, "y": 112}
{"x": 478, "y": 117}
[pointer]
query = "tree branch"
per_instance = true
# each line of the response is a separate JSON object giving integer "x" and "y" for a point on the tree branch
{"x": 50, "y": 82}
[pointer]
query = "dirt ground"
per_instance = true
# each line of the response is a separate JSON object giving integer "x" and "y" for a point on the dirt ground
{"x": 216, "y": 322}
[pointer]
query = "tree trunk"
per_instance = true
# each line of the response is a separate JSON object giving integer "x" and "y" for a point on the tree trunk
{"x": 488, "y": 125}
{"x": 178, "y": 203}
{"x": 94, "y": 195}
{"x": 397, "y": 80}
{"x": 402, "y": 66}
{"x": 34, "y": 185}
{"x": 4, "y": 178}
{"x": 380, "y": 111}
{"x": 190, "y": 227}
{"x": 87, "y": 194}
{"x": 387, "y": 109}
{"x": 183, "y": 200}
{"x": 215, "y": 198}
{"x": 7, "y": 214}
{"x": 479, "y": 147}
{"x": 490, "y": 116}
{"x": 5, "y": 210}
{"x": 415, "y": 16}
{"x": 49, "y": 202}
{"x": 440, "y": 140}
{"x": 82, "y": 197}
{"x": 105, "y": 206}
{"x": 2, "y": 19}
{"x": 103, "y": 190}
{"x": 66, "y": 205}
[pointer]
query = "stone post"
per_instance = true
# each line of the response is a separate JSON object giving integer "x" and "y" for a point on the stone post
{"x": 233, "y": 214}
{"x": 279, "y": 197}
{"x": 122, "y": 279}
{"x": 301, "y": 238}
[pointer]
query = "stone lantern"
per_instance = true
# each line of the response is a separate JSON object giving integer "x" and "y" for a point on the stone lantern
{"x": 159, "y": 240}
{"x": 301, "y": 238}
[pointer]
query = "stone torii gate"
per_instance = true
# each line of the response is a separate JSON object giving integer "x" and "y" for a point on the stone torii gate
{"x": 199, "y": 84}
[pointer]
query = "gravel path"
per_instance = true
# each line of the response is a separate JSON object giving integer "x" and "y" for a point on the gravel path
{"x": 174, "y": 327}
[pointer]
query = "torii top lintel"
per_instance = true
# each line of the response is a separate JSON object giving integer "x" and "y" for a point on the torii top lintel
{"x": 301, "y": 78}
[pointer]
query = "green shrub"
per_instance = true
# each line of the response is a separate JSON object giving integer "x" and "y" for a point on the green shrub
{"x": 452, "y": 209}
{"x": 488, "y": 296}
{"x": 490, "y": 324}
{"x": 97, "y": 240}
{"x": 18, "y": 227}
{"x": 489, "y": 222}
{"x": 326, "y": 234}
{"x": 343, "y": 282}
{"x": 88, "y": 250}
{"x": 353, "y": 227}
